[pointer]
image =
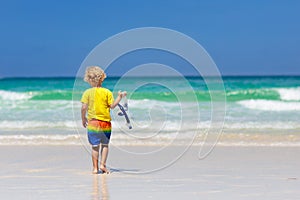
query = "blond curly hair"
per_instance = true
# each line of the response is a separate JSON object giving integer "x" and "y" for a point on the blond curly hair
{"x": 94, "y": 75}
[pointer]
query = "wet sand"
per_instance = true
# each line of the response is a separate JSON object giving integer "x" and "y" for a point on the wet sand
{"x": 64, "y": 172}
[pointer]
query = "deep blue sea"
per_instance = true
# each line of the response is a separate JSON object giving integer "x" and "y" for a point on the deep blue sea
{"x": 47, "y": 110}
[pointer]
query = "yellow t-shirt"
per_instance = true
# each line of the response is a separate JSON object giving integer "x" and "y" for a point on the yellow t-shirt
{"x": 98, "y": 101}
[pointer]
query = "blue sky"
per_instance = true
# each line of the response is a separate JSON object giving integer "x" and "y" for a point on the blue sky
{"x": 51, "y": 38}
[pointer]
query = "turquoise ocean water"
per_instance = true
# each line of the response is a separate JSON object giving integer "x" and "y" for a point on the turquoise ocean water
{"x": 47, "y": 110}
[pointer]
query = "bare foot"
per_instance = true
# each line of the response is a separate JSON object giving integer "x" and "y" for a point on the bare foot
{"x": 95, "y": 171}
{"x": 104, "y": 169}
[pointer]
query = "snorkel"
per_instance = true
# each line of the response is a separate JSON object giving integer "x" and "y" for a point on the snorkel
{"x": 123, "y": 110}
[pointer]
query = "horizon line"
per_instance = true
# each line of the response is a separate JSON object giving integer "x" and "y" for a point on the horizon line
{"x": 188, "y": 76}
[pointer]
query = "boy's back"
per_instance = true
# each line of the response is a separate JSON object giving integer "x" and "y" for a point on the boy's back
{"x": 99, "y": 100}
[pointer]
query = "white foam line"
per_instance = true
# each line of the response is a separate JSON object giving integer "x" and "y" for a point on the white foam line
{"x": 9, "y": 95}
{"x": 270, "y": 105}
{"x": 289, "y": 94}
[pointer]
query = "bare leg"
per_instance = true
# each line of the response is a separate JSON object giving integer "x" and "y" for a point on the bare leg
{"x": 104, "y": 154}
{"x": 95, "y": 157}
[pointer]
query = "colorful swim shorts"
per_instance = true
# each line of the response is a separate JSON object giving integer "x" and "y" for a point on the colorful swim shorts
{"x": 98, "y": 132}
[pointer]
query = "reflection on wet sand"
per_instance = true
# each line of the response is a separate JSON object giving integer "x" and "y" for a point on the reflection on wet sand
{"x": 100, "y": 190}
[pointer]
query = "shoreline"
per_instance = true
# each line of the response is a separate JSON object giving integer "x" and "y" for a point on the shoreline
{"x": 225, "y": 139}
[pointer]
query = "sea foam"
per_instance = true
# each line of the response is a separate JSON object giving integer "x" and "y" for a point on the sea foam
{"x": 270, "y": 105}
{"x": 27, "y": 124}
{"x": 9, "y": 95}
{"x": 289, "y": 94}
{"x": 73, "y": 139}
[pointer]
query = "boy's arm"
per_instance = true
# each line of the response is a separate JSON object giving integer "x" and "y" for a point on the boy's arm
{"x": 84, "y": 108}
{"x": 118, "y": 99}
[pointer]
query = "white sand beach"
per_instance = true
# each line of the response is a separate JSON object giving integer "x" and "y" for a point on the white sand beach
{"x": 64, "y": 172}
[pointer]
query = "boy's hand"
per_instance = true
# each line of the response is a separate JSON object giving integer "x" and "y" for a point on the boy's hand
{"x": 122, "y": 94}
{"x": 84, "y": 122}
{"x": 118, "y": 99}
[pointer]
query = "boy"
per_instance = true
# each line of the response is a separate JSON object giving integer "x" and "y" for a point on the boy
{"x": 97, "y": 102}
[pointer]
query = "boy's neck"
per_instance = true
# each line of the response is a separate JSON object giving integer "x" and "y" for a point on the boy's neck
{"x": 97, "y": 86}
